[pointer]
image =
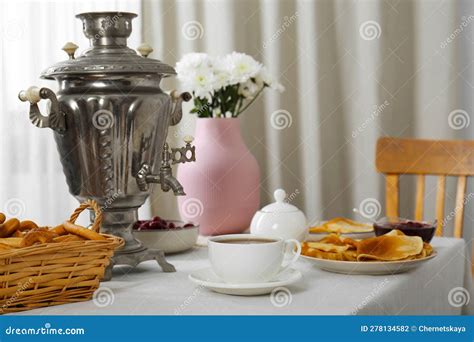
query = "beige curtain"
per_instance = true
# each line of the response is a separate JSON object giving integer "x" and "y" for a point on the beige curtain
{"x": 353, "y": 71}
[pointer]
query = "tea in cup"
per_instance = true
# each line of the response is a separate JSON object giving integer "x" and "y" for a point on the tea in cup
{"x": 245, "y": 258}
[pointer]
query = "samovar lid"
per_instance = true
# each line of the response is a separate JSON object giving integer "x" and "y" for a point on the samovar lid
{"x": 109, "y": 53}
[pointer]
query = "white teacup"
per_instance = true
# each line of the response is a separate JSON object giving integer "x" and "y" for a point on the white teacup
{"x": 246, "y": 258}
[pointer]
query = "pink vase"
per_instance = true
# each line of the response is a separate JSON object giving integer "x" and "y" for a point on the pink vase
{"x": 223, "y": 185}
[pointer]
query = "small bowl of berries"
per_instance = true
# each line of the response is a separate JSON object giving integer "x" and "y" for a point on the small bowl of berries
{"x": 424, "y": 229}
{"x": 170, "y": 236}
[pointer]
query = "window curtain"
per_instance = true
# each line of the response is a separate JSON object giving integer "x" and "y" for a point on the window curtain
{"x": 353, "y": 71}
{"x": 32, "y": 184}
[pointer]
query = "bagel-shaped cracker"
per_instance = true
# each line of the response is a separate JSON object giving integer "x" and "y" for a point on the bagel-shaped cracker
{"x": 9, "y": 227}
{"x": 87, "y": 234}
{"x": 18, "y": 233}
{"x": 59, "y": 230}
{"x": 2, "y": 218}
{"x": 37, "y": 236}
{"x": 27, "y": 225}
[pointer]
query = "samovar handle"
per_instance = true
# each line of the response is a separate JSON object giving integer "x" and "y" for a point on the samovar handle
{"x": 177, "y": 110}
{"x": 55, "y": 120}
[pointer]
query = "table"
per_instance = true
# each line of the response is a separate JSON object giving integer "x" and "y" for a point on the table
{"x": 147, "y": 291}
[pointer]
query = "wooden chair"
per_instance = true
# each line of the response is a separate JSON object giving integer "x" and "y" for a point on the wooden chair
{"x": 426, "y": 157}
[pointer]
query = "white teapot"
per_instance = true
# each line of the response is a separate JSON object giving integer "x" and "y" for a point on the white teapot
{"x": 280, "y": 220}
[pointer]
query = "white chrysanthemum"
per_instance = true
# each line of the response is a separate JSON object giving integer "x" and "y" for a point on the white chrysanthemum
{"x": 264, "y": 77}
{"x": 249, "y": 89}
{"x": 221, "y": 73}
{"x": 193, "y": 61}
{"x": 196, "y": 73}
{"x": 241, "y": 67}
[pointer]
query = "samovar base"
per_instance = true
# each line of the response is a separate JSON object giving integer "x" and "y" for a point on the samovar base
{"x": 137, "y": 257}
{"x": 119, "y": 222}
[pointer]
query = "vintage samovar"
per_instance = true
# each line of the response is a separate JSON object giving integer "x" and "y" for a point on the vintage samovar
{"x": 110, "y": 120}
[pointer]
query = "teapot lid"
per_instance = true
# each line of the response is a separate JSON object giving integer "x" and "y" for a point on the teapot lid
{"x": 109, "y": 53}
{"x": 279, "y": 206}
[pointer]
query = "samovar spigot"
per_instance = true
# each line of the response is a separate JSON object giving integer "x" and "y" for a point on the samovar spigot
{"x": 165, "y": 177}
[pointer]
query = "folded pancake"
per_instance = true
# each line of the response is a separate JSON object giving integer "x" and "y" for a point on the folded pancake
{"x": 342, "y": 225}
{"x": 347, "y": 255}
{"x": 331, "y": 247}
{"x": 389, "y": 247}
{"x": 327, "y": 247}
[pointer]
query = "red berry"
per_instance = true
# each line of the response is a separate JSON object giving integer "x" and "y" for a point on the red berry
{"x": 154, "y": 225}
{"x": 187, "y": 225}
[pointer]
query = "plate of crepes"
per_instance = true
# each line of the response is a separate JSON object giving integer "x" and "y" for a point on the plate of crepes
{"x": 342, "y": 226}
{"x": 391, "y": 253}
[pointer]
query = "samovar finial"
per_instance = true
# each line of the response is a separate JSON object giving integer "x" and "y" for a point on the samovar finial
{"x": 70, "y": 48}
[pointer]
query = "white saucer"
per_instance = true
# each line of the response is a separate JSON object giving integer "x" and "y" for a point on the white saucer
{"x": 207, "y": 278}
{"x": 368, "y": 267}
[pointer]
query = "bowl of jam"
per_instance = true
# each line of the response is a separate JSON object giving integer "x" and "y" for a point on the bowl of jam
{"x": 423, "y": 229}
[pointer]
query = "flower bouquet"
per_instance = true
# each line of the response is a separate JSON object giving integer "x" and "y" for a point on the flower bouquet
{"x": 223, "y": 87}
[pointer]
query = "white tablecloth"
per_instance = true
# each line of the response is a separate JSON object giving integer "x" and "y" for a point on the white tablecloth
{"x": 147, "y": 291}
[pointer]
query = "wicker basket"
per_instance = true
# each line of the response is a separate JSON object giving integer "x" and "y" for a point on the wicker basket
{"x": 55, "y": 273}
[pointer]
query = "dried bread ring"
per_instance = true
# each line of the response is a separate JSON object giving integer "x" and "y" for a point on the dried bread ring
{"x": 9, "y": 227}
{"x": 27, "y": 225}
{"x": 59, "y": 230}
{"x": 18, "y": 233}
{"x": 2, "y": 218}
{"x": 82, "y": 231}
{"x": 37, "y": 236}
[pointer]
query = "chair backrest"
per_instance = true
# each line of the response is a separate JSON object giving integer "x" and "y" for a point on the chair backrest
{"x": 396, "y": 156}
